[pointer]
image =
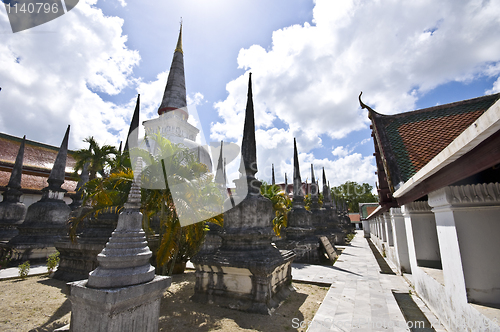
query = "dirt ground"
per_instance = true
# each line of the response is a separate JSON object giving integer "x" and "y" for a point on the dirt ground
{"x": 40, "y": 303}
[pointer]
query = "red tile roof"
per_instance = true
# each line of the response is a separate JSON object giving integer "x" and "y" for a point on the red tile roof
{"x": 37, "y": 163}
{"x": 408, "y": 141}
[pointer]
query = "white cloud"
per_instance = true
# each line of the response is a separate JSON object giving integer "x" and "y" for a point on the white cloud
{"x": 394, "y": 51}
{"x": 340, "y": 151}
{"x": 53, "y": 79}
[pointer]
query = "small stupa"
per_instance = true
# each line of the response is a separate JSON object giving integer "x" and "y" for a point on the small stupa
{"x": 12, "y": 211}
{"x": 123, "y": 293}
{"x": 45, "y": 221}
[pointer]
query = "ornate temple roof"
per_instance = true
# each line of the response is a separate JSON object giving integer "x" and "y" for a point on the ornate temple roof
{"x": 37, "y": 164}
{"x": 405, "y": 143}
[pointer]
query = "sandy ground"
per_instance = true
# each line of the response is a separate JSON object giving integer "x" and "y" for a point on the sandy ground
{"x": 40, "y": 304}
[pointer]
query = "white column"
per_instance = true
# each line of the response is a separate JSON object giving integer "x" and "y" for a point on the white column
{"x": 400, "y": 241}
{"x": 386, "y": 219}
{"x": 468, "y": 225}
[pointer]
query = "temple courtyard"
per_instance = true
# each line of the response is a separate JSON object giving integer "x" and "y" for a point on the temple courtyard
{"x": 360, "y": 292}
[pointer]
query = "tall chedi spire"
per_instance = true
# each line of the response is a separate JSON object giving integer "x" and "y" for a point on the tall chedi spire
{"x": 327, "y": 202}
{"x": 298, "y": 195}
{"x": 314, "y": 191}
{"x": 58, "y": 172}
{"x": 273, "y": 179}
{"x": 134, "y": 124}
{"x": 174, "y": 96}
{"x": 248, "y": 165}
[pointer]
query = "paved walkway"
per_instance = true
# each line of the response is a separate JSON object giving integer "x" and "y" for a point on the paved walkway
{"x": 360, "y": 297}
{"x": 13, "y": 272}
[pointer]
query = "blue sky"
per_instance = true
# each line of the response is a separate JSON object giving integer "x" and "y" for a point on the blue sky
{"x": 309, "y": 59}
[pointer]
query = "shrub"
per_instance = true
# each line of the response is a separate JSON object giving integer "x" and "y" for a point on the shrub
{"x": 52, "y": 262}
{"x": 24, "y": 269}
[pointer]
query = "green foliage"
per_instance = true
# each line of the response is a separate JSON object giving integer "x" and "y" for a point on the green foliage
{"x": 281, "y": 205}
{"x": 52, "y": 262}
{"x": 104, "y": 195}
{"x": 24, "y": 269}
{"x": 350, "y": 236}
{"x": 196, "y": 197}
{"x": 308, "y": 201}
{"x": 354, "y": 193}
{"x": 98, "y": 157}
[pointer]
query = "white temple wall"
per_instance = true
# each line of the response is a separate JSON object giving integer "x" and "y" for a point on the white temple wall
{"x": 402, "y": 259}
{"x": 29, "y": 199}
{"x": 467, "y": 236}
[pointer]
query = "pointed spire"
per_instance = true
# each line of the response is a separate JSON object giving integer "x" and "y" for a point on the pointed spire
{"x": 248, "y": 164}
{"x": 120, "y": 147}
{"x": 273, "y": 179}
{"x": 178, "y": 48}
{"x": 134, "y": 123}
{"x": 219, "y": 174}
{"x": 13, "y": 192}
{"x": 324, "y": 177}
{"x": 297, "y": 182}
{"x": 327, "y": 203}
{"x": 15, "y": 176}
{"x": 58, "y": 172}
{"x": 174, "y": 96}
{"x": 314, "y": 186}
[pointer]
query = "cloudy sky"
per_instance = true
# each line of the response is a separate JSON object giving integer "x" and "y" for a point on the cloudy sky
{"x": 309, "y": 59}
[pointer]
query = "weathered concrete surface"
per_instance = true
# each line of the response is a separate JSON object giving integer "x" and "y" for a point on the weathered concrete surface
{"x": 80, "y": 258}
{"x": 133, "y": 308}
{"x": 246, "y": 273}
{"x": 12, "y": 214}
{"x": 45, "y": 224}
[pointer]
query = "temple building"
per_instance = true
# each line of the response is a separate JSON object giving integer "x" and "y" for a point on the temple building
{"x": 37, "y": 164}
{"x": 437, "y": 222}
{"x": 172, "y": 121}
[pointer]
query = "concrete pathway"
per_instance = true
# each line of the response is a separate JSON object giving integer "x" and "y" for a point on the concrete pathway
{"x": 360, "y": 297}
{"x": 13, "y": 272}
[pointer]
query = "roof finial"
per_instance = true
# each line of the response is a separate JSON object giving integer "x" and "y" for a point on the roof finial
{"x": 363, "y": 105}
{"x": 178, "y": 48}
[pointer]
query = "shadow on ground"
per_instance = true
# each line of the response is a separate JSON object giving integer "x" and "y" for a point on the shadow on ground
{"x": 178, "y": 313}
{"x": 52, "y": 323}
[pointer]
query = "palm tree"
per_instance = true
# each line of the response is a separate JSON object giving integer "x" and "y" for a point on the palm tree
{"x": 190, "y": 194}
{"x": 177, "y": 243}
{"x": 98, "y": 157}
